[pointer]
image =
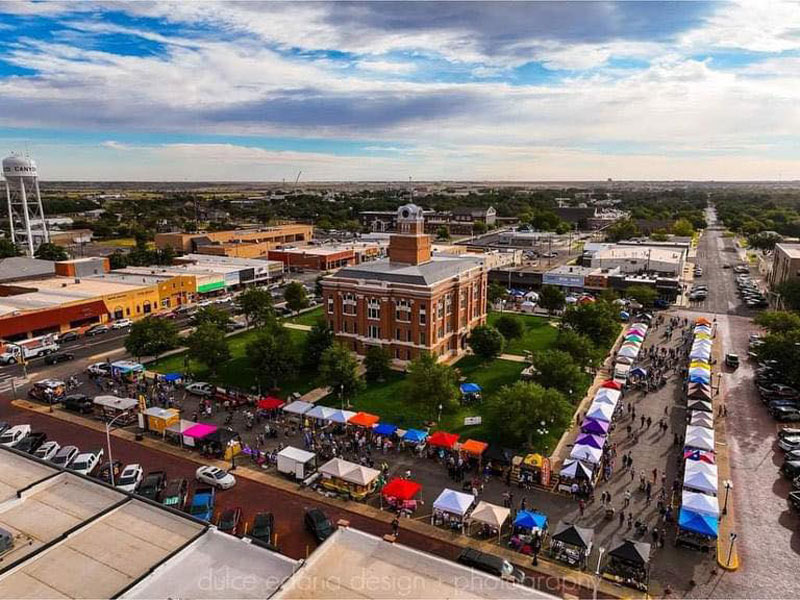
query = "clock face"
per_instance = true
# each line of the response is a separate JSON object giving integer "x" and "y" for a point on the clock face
{"x": 405, "y": 213}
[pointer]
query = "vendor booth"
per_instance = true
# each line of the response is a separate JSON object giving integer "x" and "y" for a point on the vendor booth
{"x": 321, "y": 413}
{"x": 342, "y": 416}
{"x": 473, "y": 448}
{"x": 442, "y": 439}
{"x": 470, "y": 393}
{"x": 415, "y": 436}
{"x": 384, "y": 429}
{"x": 701, "y": 455}
{"x": 587, "y": 454}
{"x": 399, "y": 494}
{"x": 700, "y": 405}
{"x": 700, "y": 503}
{"x": 529, "y": 532}
{"x": 127, "y": 371}
{"x": 699, "y": 438}
{"x": 298, "y": 407}
{"x": 364, "y": 419}
{"x": 696, "y": 531}
{"x": 701, "y": 418}
{"x": 222, "y": 443}
{"x": 629, "y": 565}
{"x": 194, "y": 435}
{"x": 611, "y": 385}
{"x": 596, "y": 426}
{"x": 112, "y": 407}
{"x": 600, "y": 412}
{"x": 490, "y": 518}
{"x": 571, "y": 544}
{"x": 270, "y": 403}
{"x": 574, "y": 471}
{"x": 699, "y": 391}
{"x": 296, "y": 463}
{"x": 700, "y": 476}
{"x": 175, "y": 431}
{"x": 451, "y": 508}
{"x": 157, "y": 419}
{"x": 590, "y": 439}
{"x": 607, "y": 396}
{"x": 527, "y": 470}
{"x": 348, "y": 479}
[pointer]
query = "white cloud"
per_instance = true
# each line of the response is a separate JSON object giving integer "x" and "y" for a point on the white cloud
{"x": 387, "y": 67}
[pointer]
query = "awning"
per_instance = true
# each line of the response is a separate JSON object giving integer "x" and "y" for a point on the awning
{"x": 323, "y": 413}
{"x": 453, "y": 502}
{"x": 361, "y": 475}
{"x": 700, "y": 503}
{"x": 629, "y": 351}
{"x": 384, "y": 429}
{"x": 608, "y": 396}
{"x": 533, "y": 460}
{"x": 702, "y": 405}
{"x": 298, "y": 407}
{"x": 575, "y": 469}
{"x": 697, "y": 523}
{"x": 699, "y": 378}
{"x": 200, "y": 430}
{"x": 161, "y": 413}
{"x": 222, "y": 436}
{"x": 474, "y": 447}
{"x": 572, "y": 535}
{"x": 337, "y": 467}
{"x": 639, "y": 372}
{"x": 443, "y": 439}
{"x": 402, "y": 489}
{"x": 586, "y": 454}
{"x": 591, "y": 439}
{"x": 270, "y": 403}
{"x": 528, "y": 519}
{"x": 415, "y": 436}
{"x": 490, "y": 514}
{"x": 364, "y": 419}
{"x": 631, "y": 552}
{"x": 611, "y": 384}
{"x": 470, "y": 388}
{"x": 702, "y": 419}
{"x": 700, "y": 455}
{"x": 700, "y": 476}
{"x": 171, "y": 377}
{"x": 595, "y": 426}
{"x": 699, "y": 437}
{"x": 181, "y": 426}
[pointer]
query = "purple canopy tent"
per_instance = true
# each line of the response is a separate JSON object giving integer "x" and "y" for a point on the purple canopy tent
{"x": 595, "y": 426}
{"x": 591, "y": 439}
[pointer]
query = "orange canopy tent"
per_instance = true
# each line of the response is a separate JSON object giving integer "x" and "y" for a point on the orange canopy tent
{"x": 702, "y": 321}
{"x": 402, "y": 489}
{"x": 443, "y": 439}
{"x": 364, "y": 419}
{"x": 474, "y": 447}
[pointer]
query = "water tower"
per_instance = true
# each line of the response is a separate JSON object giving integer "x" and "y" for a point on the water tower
{"x": 25, "y": 213}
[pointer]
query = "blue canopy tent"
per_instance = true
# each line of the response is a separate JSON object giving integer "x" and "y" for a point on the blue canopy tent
{"x": 384, "y": 429}
{"x": 415, "y": 436}
{"x": 624, "y": 315}
{"x": 641, "y": 372}
{"x": 697, "y": 523}
{"x": 527, "y": 519}
{"x": 470, "y": 388}
{"x": 171, "y": 377}
{"x": 700, "y": 379}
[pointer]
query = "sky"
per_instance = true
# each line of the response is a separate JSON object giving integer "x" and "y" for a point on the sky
{"x": 251, "y": 91}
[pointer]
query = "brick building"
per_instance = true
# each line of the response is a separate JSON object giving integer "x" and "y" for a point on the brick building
{"x": 412, "y": 301}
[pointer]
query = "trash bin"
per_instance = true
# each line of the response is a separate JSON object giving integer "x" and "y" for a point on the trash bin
{"x": 139, "y": 435}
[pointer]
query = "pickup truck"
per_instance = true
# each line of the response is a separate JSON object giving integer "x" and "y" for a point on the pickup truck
{"x": 27, "y": 349}
{"x": 202, "y": 505}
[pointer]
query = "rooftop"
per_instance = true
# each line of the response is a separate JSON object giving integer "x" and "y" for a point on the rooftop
{"x": 22, "y": 267}
{"x": 638, "y": 252}
{"x": 791, "y": 250}
{"x": 439, "y": 268}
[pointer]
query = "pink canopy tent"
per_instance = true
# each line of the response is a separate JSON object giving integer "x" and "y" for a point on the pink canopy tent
{"x": 200, "y": 430}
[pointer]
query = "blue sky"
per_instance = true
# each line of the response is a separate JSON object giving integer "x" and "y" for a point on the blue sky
{"x": 390, "y": 90}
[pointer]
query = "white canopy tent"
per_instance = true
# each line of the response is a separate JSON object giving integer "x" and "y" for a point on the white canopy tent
{"x": 337, "y": 467}
{"x": 700, "y": 476}
{"x": 607, "y": 396}
{"x": 490, "y": 514}
{"x": 701, "y": 418}
{"x": 361, "y": 475}
{"x": 298, "y": 407}
{"x": 323, "y": 413}
{"x": 700, "y": 503}
{"x": 342, "y": 416}
{"x": 600, "y": 411}
{"x": 575, "y": 469}
{"x": 629, "y": 351}
{"x": 701, "y": 438}
{"x": 453, "y": 502}
{"x": 587, "y": 454}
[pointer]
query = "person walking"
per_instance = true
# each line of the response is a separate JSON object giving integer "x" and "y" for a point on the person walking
{"x": 395, "y": 526}
{"x": 627, "y": 501}
{"x": 581, "y": 506}
{"x": 621, "y": 518}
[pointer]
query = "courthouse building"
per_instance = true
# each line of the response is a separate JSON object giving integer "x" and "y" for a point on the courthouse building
{"x": 412, "y": 301}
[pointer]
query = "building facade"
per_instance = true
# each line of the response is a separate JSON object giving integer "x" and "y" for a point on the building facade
{"x": 410, "y": 303}
{"x": 785, "y": 264}
{"x": 243, "y": 243}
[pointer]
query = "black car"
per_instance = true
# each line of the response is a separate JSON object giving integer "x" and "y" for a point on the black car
{"x": 318, "y": 524}
{"x": 96, "y": 330}
{"x": 79, "y": 403}
{"x": 31, "y": 442}
{"x": 175, "y": 494}
{"x": 791, "y": 469}
{"x": 229, "y": 520}
{"x": 489, "y": 563}
{"x": 52, "y": 359}
{"x": 263, "y": 526}
{"x": 68, "y": 336}
{"x": 152, "y": 484}
{"x": 104, "y": 473}
{"x": 785, "y": 413}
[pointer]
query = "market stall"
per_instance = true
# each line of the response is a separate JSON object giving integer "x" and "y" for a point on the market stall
{"x": 320, "y": 413}
{"x": 473, "y": 449}
{"x": 470, "y": 393}
{"x": 530, "y": 530}
{"x": 347, "y": 478}
{"x": 112, "y": 407}
{"x": 596, "y": 426}
{"x": 296, "y": 463}
{"x": 607, "y": 396}
{"x": 611, "y": 385}
{"x": 298, "y": 408}
{"x": 175, "y": 431}
{"x": 696, "y": 531}
{"x": 384, "y": 429}
{"x": 571, "y": 544}
{"x": 222, "y": 443}
{"x": 270, "y": 403}
{"x": 527, "y": 470}
{"x": 442, "y": 439}
{"x": 698, "y": 391}
{"x": 573, "y": 471}
{"x": 600, "y": 412}
{"x": 701, "y": 418}
{"x": 451, "y": 509}
{"x": 587, "y": 454}
{"x": 700, "y": 476}
{"x": 194, "y": 435}
{"x": 490, "y": 518}
{"x": 629, "y": 565}
{"x": 700, "y": 405}
{"x": 342, "y": 416}
{"x": 415, "y": 436}
{"x": 127, "y": 371}
{"x": 157, "y": 419}
{"x": 591, "y": 439}
{"x": 701, "y": 455}
{"x": 700, "y": 503}
{"x": 399, "y": 494}
{"x": 364, "y": 419}
{"x": 699, "y": 438}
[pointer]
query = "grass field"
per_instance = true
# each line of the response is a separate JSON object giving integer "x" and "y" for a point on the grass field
{"x": 307, "y": 318}
{"x": 538, "y": 334}
{"x": 118, "y": 243}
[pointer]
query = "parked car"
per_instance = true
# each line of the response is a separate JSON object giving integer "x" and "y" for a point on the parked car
{"x": 52, "y": 359}
{"x": 121, "y": 324}
{"x": 31, "y": 442}
{"x": 14, "y": 435}
{"x": 47, "y": 450}
{"x": 785, "y": 413}
{"x": 794, "y": 500}
{"x": 489, "y": 563}
{"x": 86, "y": 462}
{"x": 65, "y": 456}
{"x": 105, "y": 470}
{"x": 4, "y": 426}
{"x": 778, "y": 390}
{"x": 227, "y": 299}
{"x": 99, "y": 369}
{"x": 229, "y": 520}
{"x": 263, "y": 526}
{"x": 200, "y": 388}
{"x": 788, "y": 431}
{"x": 202, "y": 505}
{"x": 96, "y": 330}
{"x": 130, "y": 478}
{"x": 318, "y": 524}
{"x": 175, "y": 493}
{"x": 68, "y": 336}
{"x": 215, "y": 476}
{"x": 789, "y": 442}
{"x": 791, "y": 469}
{"x": 79, "y": 403}
{"x": 152, "y": 484}
{"x": 732, "y": 360}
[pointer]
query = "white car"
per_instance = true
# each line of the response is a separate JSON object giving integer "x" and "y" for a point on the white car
{"x": 130, "y": 477}
{"x": 223, "y": 300}
{"x": 101, "y": 369}
{"x": 47, "y": 450}
{"x": 216, "y": 477}
{"x": 65, "y": 456}
{"x": 13, "y": 435}
{"x": 200, "y": 388}
{"x": 204, "y": 303}
{"x": 86, "y": 462}
{"x": 121, "y": 324}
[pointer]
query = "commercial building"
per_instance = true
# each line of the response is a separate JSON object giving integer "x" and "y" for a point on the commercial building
{"x": 413, "y": 301}
{"x": 83, "y": 267}
{"x": 328, "y": 257}
{"x": 785, "y": 264}
{"x": 250, "y": 270}
{"x": 242, "y": 243}
{"x": 459, "y": 221}
{"x": 20, "y": 268}
{"x": 640, "y": 259}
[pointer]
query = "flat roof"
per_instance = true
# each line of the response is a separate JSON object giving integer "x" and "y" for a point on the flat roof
{"x": 229, "y": 260}
{"x": 86, "y": 287}
{"x": 354, "y": 564}
{"x": 439, "y": 268}
{"x": 205, "y": 569}
{"x": 790, "y": 250}
{"x": 639, "y": 252}
{"x": 17, "y": 472}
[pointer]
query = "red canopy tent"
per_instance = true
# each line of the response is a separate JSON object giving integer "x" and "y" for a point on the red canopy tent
{"x": 611, "y": 384}
{"x": 402, "y": 489}
{"x": 443, "y": 439}
{"x": 270, "y": 403}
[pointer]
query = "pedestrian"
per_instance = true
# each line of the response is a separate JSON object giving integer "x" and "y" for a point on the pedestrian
{"x": 581, "y": 506}
{"x": 643, "y": 419}
{"x": 655, "y": 474}
{"x": 648, "y": 490}
{"x": 630, "y": 520}
{"x": 624, "y": 462}
{"x": 621, "y": 518}
{"x": 395, "y": 526}
{"x": 627, "y": 501}
{"x": 633, "y": 474}
{"x": 649, "y": 422}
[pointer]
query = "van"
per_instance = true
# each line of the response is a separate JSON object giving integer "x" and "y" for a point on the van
{"x": 14, "y": 435}
{"x": 489, "y": 563}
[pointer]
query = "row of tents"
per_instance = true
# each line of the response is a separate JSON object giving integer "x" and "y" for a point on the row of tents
{"x": 630, "y": 349}
{"x": 698, "y": 518}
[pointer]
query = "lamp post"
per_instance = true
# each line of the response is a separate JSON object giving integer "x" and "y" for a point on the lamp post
{"x": 730, "y": 549}
{"x": 108, "y": 444}
{"x": 719, "y": 384}
{"x": 602, "y": 549}
{"x": 439, "y": 419}
{"x": 728, "y": 488}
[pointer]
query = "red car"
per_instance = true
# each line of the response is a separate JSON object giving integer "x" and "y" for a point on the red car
{"x": 230, "y": 519}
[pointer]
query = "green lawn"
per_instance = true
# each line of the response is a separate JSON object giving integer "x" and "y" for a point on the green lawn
{"x": 237, "y": 372}
{"x": 538, "y": 333}
{"x": 307, "y": 318}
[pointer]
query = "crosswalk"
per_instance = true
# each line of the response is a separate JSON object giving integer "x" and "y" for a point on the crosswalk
{"x": 8, "y": 381}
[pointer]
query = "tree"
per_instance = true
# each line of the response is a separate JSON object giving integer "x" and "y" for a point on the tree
{"x": 117, "y": 260}
{"x": 295, "y": 296}
{"x": 496, "y": 292}
{"x": 516, "y": 413}
{"x": 683, "y": 227}
{"x": 596, "y": 320}
{"x": 622, "y": 230}
{"x": 551, "y": 299}
{"x": 778, "y": 321}
{"x": 319, "y": 339}
{"x": 338, "y": 369}
{"x": 430, "y": 383}
{"x": 208, "y": 345}
{"x": 443, "y": 233}
{"x": 377, "y": 361}
{"x": 643, "y": 294}
{"x": 151, "y": 337}
{"x": 789, "y": 291}
{"x": 479, "y": 228}
{"x": 556, "y": 369}
{"x": 214, "y": 316}
{"x": 256, "y": 304}
{"x": 486, "y": 342}
{"x": 582, "y": 350}
{"x": 272, "y": 355}
{"x": 7, "y": 248}
{"x": 784, "y": 349}
{"x": 52, "y": 252}
{"x": 764, "y": 240}
{"x": 318, "y": 285}
{"x": 510, "y": 326}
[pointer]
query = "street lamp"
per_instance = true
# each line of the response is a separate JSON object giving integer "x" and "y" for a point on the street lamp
{"x": 602, "y": 549}
{"x": 730, "y": 549}
{"x": 108, "y": 443}
{"x": 440, "y": 413}
{"x": 719, "y": 383}
{"x": 728, "y": 488}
